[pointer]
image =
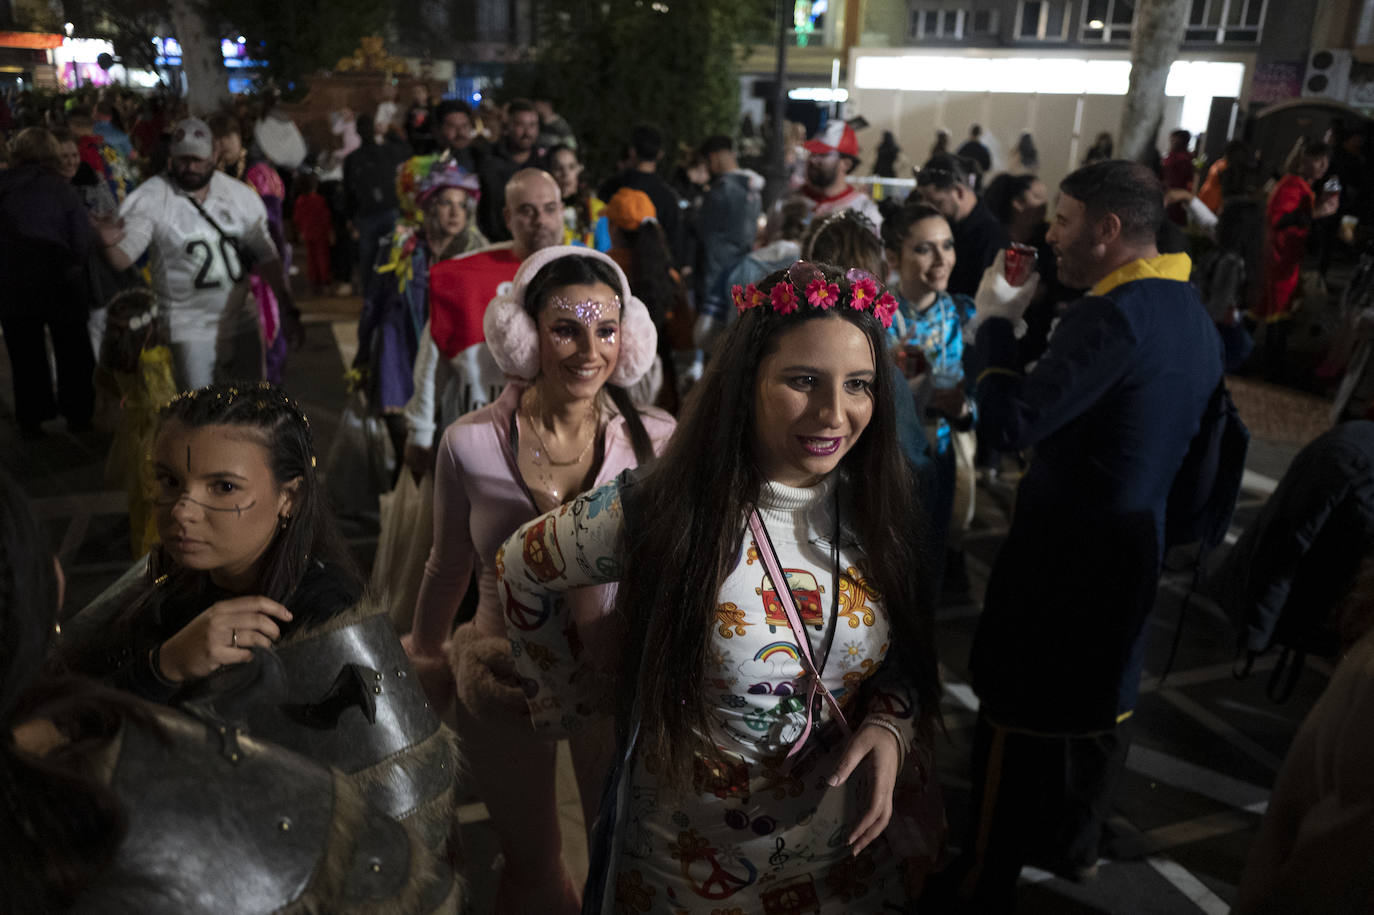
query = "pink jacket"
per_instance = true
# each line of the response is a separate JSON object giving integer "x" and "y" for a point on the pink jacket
{"x": 480, "y": 499}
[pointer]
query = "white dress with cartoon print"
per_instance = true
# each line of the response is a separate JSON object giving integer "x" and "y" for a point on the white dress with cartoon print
{"x": 766, "y": 834}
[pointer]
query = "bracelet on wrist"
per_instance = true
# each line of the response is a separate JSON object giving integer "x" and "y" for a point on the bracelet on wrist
{"x": 155, "y": 661}
{"x": 896, "y": 733}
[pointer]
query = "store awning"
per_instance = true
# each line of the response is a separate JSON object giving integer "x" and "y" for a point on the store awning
{"x": 36, "y": 41}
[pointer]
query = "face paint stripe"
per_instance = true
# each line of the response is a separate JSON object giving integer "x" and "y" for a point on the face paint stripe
{"x": 239, "y": 509}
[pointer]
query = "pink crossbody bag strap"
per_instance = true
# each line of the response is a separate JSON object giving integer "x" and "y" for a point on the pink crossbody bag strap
{"x": 789, "y": 609}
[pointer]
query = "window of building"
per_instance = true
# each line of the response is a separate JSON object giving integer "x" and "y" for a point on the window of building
{"x": 1107, "y": 20}
{"x": 938, "y": 20}
{"x": 983, "y": 22}
{"x": 1042, "y": 20}
{"x": 1225, "y": 21}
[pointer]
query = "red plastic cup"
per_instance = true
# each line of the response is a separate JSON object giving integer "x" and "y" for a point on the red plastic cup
{"x": 912, "y": 360}
{"x": 1018, "y": 263}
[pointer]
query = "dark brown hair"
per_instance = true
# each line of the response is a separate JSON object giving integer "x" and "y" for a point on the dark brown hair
{"x": 575, "y": 270}
{"x": 694, "y": 503}
{"x": 312, "y": 534}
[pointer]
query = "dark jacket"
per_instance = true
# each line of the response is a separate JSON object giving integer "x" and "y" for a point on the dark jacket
{"x": 1110, "y": 410}
{"x": 977, "y": 239}
{"x": 45, "y": 237}
{"x": 1299, "y": 559}
{"x": 666, "y": 202}
{"x": 497, "y": 168}
{"x": 369, "y": 175}
{"x": 729, "y": 222}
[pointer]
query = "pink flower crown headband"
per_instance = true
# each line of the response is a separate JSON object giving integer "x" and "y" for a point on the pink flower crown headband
{"x": 807, "y": 284}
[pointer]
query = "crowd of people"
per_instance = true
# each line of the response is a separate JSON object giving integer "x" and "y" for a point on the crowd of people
{"x": 694, "y": 472}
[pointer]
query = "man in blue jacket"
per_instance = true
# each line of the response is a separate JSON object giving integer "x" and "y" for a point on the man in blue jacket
{"x": 1110, "y": 411}
{"x": 729, "y": 223}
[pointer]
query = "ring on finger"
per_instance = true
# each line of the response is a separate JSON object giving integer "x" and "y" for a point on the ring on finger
{"x": 234, "y": 637}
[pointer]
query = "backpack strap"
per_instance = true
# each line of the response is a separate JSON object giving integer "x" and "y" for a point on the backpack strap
{"x": 1183, "y": 610}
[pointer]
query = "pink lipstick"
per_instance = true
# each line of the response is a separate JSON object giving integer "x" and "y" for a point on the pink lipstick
{"x": 820, "y": 447}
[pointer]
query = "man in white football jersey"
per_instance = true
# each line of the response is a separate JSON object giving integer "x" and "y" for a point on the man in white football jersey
{"x": 205, "y": 232}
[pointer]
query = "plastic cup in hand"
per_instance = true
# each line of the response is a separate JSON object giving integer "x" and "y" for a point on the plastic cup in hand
{"x": 1018, "y": 263}
{"x": 913, "y": 361}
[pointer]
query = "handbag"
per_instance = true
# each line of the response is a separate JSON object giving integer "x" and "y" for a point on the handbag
{"x": 247, "y": 257}
{"x": 407, "y": 532}
{"x": 360, "y": 461}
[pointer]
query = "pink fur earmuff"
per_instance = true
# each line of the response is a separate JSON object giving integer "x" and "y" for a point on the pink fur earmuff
{"x": 514, "y": 340}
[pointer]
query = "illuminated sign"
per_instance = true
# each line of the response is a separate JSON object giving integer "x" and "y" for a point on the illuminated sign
{"x": 233, "y": 51}
{"x": 818, "y": 94}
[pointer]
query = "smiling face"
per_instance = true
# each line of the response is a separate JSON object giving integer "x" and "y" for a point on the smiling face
{"x": 579, "y": 340}
{"x": 218, "y": 505}
{"x": 925, "y": 258}
{"x": 1073, "y": 236}
{"x": 812, "y": 400}
{"x": 69, "y": 160}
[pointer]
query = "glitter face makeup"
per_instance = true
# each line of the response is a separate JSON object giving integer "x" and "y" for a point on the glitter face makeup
{"x": 579, "y": 341}
{"x": 588, "y": 311}
{"x": 579, "y": 345}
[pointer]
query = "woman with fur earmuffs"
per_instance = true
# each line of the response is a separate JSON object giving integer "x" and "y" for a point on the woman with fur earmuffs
{"x": 572, "y": 339}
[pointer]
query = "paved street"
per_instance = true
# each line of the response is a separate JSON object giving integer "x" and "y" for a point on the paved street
{"x": 1207, "y": 746}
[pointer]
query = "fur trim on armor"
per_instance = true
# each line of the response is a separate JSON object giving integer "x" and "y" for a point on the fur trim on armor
{"x": 368, "y": 606}
{"x": 433, "y": 816}
{"x": 339, "y": 859}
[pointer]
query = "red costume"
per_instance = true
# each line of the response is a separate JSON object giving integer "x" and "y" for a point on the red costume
{"x": 459, "y": 290}
{"x": 1177, "y": 172}
{"x": 315, "y": 224}
{"x": 1287, "y": 244}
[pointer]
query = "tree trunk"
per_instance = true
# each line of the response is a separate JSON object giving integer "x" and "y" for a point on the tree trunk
{"x": 207, "y": 84}
{"x": 1155, "y": 40}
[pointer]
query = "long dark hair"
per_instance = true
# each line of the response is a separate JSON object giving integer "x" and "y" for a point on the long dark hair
{"x": 694, "y": 502}
{"x": 581, "y": 200}
{"x": 575, "y": 270}
{"x": 63, "y": 826}
{"x": 651, "y": 274}
{"x": 312, "y": 534}
{"x": 1002, "y": 193}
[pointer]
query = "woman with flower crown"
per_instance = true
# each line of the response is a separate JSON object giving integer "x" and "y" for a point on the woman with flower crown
{"x": 573, "y": 338}
{"x": 777, "y": 682}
